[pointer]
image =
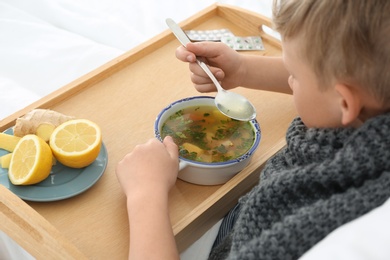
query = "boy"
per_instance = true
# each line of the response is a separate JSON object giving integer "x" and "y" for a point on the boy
{"x": 335, "y": 166}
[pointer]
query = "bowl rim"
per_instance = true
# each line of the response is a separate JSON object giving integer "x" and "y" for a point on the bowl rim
{"x": 248, "y": 154}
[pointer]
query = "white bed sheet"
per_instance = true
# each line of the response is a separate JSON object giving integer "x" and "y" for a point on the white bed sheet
{"x": 45, "y": 44}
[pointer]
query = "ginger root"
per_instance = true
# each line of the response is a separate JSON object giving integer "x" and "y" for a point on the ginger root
{"x": 8, "y": 142}
{"x": 40, "y": 122}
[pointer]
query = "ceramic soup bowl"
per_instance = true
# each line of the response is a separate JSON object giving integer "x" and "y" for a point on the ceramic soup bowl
{"x": 203, "y": 173}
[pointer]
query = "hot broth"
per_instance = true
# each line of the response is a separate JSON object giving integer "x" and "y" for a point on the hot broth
{"x": 206, "y": 135}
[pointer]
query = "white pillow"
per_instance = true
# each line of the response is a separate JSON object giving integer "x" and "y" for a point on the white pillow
{"x": 367, "y": 237}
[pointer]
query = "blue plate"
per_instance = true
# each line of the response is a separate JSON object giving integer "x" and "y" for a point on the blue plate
{"x": 62, "y": 183}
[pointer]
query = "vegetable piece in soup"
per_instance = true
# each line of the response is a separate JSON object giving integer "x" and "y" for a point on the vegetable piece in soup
{"x": 206, "y": 135}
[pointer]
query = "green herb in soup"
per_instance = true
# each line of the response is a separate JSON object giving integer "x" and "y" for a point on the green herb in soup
{"x": 206, "y": 135}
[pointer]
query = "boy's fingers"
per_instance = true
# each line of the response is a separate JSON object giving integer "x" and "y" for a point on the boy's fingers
{"x": 206, "y": 49}
{"x": 171, "y": 147}
{"x": 184, "y": 55}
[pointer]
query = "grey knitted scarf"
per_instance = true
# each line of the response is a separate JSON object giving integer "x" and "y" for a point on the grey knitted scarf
{"x": 322, "y": 179}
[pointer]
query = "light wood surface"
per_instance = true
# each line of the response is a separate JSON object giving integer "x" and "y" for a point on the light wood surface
{"x": 34, "y": 233}
{"x": 124, "y": 97}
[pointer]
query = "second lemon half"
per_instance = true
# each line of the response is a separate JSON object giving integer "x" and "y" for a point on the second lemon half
{"x": 76, "y": 143}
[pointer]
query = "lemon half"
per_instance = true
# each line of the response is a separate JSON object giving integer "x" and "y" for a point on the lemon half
{"x": 76, "y": 143}
{"x": 31, "y": 161}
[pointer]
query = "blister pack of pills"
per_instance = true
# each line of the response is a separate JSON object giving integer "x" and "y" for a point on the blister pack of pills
{"x": 208, "y": 35}
{"x": 227, "y": 37}
{"x": 244, "y": 43}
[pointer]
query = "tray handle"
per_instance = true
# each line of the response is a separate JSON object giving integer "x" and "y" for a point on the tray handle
{"x": 31, "y": 231}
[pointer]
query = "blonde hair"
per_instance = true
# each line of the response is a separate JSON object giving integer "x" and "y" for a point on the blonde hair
{"x": 344, "y": 40}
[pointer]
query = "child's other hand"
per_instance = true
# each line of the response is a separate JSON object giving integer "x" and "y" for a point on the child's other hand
{"x": 224, "y": 62}
{"x": 151, "y": 168}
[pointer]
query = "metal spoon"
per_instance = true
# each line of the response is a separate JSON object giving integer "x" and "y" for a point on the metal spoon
{"x": 230, "y": 104}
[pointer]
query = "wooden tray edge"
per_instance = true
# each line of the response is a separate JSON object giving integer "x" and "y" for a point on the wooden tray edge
{"x": 248, "y": 19}
{"x": 31, "y": 231}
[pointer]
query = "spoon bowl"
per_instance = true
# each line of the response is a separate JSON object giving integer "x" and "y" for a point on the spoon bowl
{"x": 234, "y": 106}
{"x": 230, "y": 104}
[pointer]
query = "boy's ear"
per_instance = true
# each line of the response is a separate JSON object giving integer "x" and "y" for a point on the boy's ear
{"x": 350, "y": 103}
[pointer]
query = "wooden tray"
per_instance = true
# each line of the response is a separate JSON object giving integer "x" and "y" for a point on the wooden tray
{"x": 124, "y": 97}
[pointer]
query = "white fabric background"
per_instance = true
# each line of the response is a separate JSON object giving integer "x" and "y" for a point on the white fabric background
{"x": 45, "y": 44}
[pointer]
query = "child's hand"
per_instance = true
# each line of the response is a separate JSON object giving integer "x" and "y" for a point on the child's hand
{"x": 151, "y": 168}
{"x": 224, "y": 62}
{"x": 146, "y": 176}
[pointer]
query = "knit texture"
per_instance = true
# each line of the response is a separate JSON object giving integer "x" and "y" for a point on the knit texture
{"x": 321, "y": 180}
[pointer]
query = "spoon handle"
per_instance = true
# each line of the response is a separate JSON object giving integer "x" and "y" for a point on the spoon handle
{"x": 210, "y": 74}
{"x": 183, "y": 38}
